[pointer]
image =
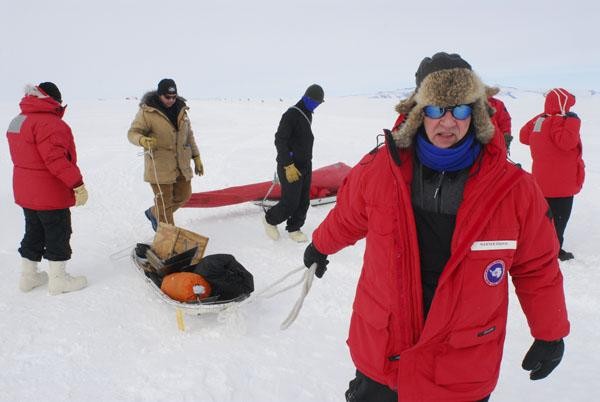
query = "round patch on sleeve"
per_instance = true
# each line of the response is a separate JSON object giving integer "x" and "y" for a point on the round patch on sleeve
{"x": 494, "y": 272}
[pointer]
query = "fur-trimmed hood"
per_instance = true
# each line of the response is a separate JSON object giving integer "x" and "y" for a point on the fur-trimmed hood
{"x": 32, "y": 90}
{"x": 447, "y": 87}
{"x": 146, "y": 99}
{"x": 35, "y": 100}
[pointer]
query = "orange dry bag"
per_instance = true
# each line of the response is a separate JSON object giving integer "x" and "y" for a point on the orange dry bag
{"x": 185, "y": 287}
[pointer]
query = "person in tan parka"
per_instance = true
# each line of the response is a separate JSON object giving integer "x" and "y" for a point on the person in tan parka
{"x": 162, "y": 127}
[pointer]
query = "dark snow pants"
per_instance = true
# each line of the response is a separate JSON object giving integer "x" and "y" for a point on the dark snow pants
{"x": 47, "y": 234}
{"x": 295, "y": 200}
{"x": 364, "y": 389}
{"x": 561, "y": 210}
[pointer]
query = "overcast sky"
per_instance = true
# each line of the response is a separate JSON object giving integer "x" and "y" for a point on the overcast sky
{"x": 275, "y": 48}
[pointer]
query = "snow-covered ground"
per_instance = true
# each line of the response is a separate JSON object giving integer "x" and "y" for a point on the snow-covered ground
{"x": 116, "y": 341}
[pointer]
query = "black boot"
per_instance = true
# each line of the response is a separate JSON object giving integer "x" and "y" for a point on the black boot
{"x": 565, "y": 255}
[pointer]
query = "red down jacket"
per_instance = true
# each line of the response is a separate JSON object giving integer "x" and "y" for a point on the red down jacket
{"x": 43, "y": 153}
{"x": 502, "y": 226}
{"x": 555, "y": 145}
{"x": 501, "y": 117}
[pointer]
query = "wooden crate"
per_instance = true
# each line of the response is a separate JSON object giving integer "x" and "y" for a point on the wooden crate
{"x": 171, "y": 240}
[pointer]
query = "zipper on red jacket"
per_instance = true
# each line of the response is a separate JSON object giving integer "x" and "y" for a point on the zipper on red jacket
{"x": 438, "y": 190}
{"x": 412, "y": 332}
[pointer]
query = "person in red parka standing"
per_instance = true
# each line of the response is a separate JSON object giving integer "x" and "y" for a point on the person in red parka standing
{"x": 501, "y": 117}
{"x": 46, "y": 182}
{"x": 556, "y": 153}
{"x": 446, "y": 218}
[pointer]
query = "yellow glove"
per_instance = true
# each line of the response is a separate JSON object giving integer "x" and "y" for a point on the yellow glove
{"x": 291, "y": 173}
{"x": 81, "y": 195}
{"x": 148, "y": 142}
{"x": 198, "y": 168}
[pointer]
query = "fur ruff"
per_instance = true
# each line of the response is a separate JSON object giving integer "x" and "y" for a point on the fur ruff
{"x": 32, "y": 90}
{"x": 149, "y": 94}
{"x": 456, "y": 86}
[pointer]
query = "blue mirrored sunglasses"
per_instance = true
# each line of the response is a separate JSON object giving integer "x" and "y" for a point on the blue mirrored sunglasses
{"x": 459, "y": 112}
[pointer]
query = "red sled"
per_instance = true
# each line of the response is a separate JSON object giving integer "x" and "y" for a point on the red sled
{"x": 324, "y": 186}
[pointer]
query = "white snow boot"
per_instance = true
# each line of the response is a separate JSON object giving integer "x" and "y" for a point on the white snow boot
{"x": 30, "y": 276}
{"x": 298, "y": 236}
{"x": 270, "y": 230}
{"x": 61, "y": 282}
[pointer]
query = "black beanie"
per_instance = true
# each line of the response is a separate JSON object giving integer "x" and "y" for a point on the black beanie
{"x": 315, "y": 92}
{"x": 437, "y": 62}
{"x": 50, "y": 89}
{"x": 167, "y": 86}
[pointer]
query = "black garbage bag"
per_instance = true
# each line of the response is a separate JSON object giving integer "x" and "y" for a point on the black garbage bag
{"x": 228, "y": 278}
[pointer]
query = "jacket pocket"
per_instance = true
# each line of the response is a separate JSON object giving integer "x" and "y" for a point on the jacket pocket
{"x": 369, "y": 333}
{"x": 186, "y": 152}
{"x": 161, "y": 168}
{"x": 184, "y": 161}
{"x": 471, "y": 355}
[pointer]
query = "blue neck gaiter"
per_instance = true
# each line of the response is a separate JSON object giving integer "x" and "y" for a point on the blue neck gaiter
{"x": 310, "y": 103}
{"x": 458, "y": 157}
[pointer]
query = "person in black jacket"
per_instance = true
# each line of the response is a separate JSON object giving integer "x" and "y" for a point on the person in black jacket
{"x": 294, "y": 142}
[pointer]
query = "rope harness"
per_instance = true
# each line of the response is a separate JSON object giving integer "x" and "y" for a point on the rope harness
{"x": 275, "y": 181}
{"x": 232, "y": 315}
{"x": 160, "y": 193}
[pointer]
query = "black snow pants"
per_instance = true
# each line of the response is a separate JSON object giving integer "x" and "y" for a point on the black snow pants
{"x": 47, "y": 234}
{"x": 364, "y": 389}
{"x": 561, "y": 210}
{"x": 295, "y": 199}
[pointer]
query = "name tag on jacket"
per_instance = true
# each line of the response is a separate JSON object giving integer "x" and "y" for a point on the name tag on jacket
{"x": 494, "y": 245}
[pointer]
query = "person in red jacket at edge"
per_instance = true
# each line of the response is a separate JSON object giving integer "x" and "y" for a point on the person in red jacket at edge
{"x": 446, "y": 218}
{"x": 501, "y": 117}
{"x": 46, "y": 182}
{"x": 555, "y": 145}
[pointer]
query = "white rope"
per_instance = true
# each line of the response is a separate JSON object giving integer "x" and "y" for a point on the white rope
{"x": 562, "y": 104}
{"x": 277, "y": 282}
{"x": 122, "y": 253}
{"x": 306, "y": 281}
{"x": 160, "y": 193}
{"x": 309, "y": 276}
{"x": 275, "y": 181}
{"x": 303, "y": 114}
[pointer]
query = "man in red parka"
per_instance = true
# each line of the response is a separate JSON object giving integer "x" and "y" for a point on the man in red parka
{"x": 446, "y": 218}
{"x": 501, "y": 117}
{"x": 555, "y": 145}
{"x": 46, "y": 182}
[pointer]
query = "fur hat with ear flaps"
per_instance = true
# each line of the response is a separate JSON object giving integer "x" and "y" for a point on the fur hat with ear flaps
{"x": 444, "y": 80}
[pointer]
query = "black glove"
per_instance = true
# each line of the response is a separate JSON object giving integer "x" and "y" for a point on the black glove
{"x": 311, "y": 256}
{"x": 543, "y": 357}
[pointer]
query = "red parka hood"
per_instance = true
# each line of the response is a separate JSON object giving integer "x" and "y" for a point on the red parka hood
{"x": 35, "y": 101}
{"x": 558, "y": 101}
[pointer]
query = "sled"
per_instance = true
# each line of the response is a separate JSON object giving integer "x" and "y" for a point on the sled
{"x": 324, "y": 185}
{"x": 315, "y": 202}
{"x": 208, "y": 305}
{"x": 172, "y": 250}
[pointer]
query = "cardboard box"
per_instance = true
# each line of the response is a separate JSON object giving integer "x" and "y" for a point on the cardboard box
{"x": 171, "y": 240}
